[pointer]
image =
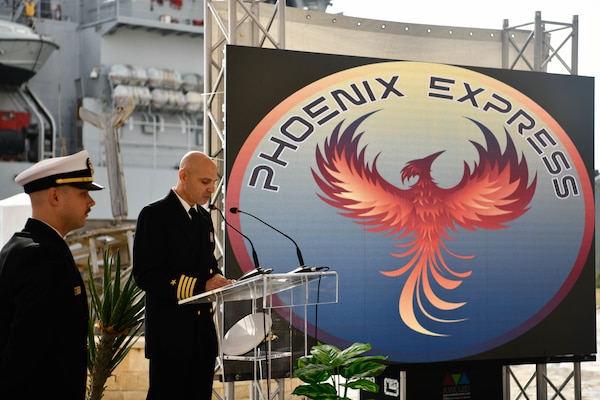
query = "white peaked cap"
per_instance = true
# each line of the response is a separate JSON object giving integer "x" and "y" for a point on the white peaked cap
{"x": 75, "y": 170}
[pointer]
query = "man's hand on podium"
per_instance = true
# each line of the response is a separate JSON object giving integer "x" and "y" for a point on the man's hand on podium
{"x": 216, "y": 282}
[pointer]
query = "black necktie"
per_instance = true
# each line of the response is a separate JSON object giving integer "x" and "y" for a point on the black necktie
{"x": 195, "y": 217}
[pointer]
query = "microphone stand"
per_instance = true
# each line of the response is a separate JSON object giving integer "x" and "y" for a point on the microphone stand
{"x": 302, "y": 267}
{"x": 236, "y": 210}
{"x": 258, "y": 270}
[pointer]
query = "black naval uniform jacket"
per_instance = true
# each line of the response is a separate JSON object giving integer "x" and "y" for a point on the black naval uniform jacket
{"x": 43, "y": 317}
{"x": 171, "y": 262}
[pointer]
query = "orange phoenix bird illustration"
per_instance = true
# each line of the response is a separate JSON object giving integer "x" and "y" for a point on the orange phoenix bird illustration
{"x": 496, "y": 192}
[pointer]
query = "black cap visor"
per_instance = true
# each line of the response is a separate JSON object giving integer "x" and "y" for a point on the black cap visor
{"x": 87, "y": 185}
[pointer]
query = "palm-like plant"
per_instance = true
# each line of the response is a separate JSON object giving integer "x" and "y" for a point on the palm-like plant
{"x": 117, "y": 315}
{"x": 323, "y": 369}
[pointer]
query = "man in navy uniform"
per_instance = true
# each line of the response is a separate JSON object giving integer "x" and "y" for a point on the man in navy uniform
{"x": 173, "y": 258}
{"x": 43, "y": 303}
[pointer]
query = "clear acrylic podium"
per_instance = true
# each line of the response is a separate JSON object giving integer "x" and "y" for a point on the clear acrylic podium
{"x": 289, "y": 296}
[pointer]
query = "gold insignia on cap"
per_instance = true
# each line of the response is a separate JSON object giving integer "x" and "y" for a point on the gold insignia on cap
{"x": 89, "y": 164}
{"x": 77, "y": 290}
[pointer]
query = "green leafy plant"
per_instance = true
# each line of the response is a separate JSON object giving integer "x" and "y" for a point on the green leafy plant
{"x": 323, "y": 370}
{"x": 115, "y": 324}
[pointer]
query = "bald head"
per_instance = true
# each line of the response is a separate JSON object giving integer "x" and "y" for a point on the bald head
{"x": 194, "y": 160}
{"x": 196, "y": 178}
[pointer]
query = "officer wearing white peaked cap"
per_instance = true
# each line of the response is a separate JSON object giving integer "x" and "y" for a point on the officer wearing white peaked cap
{"x": 43, "y": 301}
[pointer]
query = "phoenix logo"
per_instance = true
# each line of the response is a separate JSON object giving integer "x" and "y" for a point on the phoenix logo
{"x": 495, "y": 192}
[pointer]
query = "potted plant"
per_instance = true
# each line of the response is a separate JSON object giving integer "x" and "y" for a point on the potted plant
{"x": 115, "y": 324}
{"x": 323, "y": 370}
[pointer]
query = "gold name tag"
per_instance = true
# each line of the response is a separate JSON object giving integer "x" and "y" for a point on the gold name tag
{"x": 77, "y": 290}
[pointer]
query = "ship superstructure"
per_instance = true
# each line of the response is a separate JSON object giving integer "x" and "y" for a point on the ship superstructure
{"x": 105, "y": 50}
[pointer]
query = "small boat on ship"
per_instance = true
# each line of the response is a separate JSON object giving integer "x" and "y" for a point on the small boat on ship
{"x": 23, "y": 51}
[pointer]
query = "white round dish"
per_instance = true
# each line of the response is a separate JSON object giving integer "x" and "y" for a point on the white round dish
{"x": 246, "y": 334}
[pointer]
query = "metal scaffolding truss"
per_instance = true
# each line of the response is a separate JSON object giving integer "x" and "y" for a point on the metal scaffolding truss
{"x": 540, "y": 38}
{"x": 540, "y": 385}
{"x": 217, "y": 34}
{"x": 222, "y": 23}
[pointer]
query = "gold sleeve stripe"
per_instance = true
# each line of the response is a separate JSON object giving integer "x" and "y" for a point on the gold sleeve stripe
{"x": 185, "y": 288}
{"x": 188, "y": 288}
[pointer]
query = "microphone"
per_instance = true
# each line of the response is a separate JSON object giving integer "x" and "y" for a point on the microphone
{"x": 257, "y": 268}
{"x": 302, "y": 267}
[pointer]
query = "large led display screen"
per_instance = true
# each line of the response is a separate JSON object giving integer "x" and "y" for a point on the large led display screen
{"x": 455, "y": 203}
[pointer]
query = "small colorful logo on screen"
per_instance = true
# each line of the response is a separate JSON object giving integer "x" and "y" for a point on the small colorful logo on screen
{"x": 456, "y": 386}
{"x": 456, "y": 211}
